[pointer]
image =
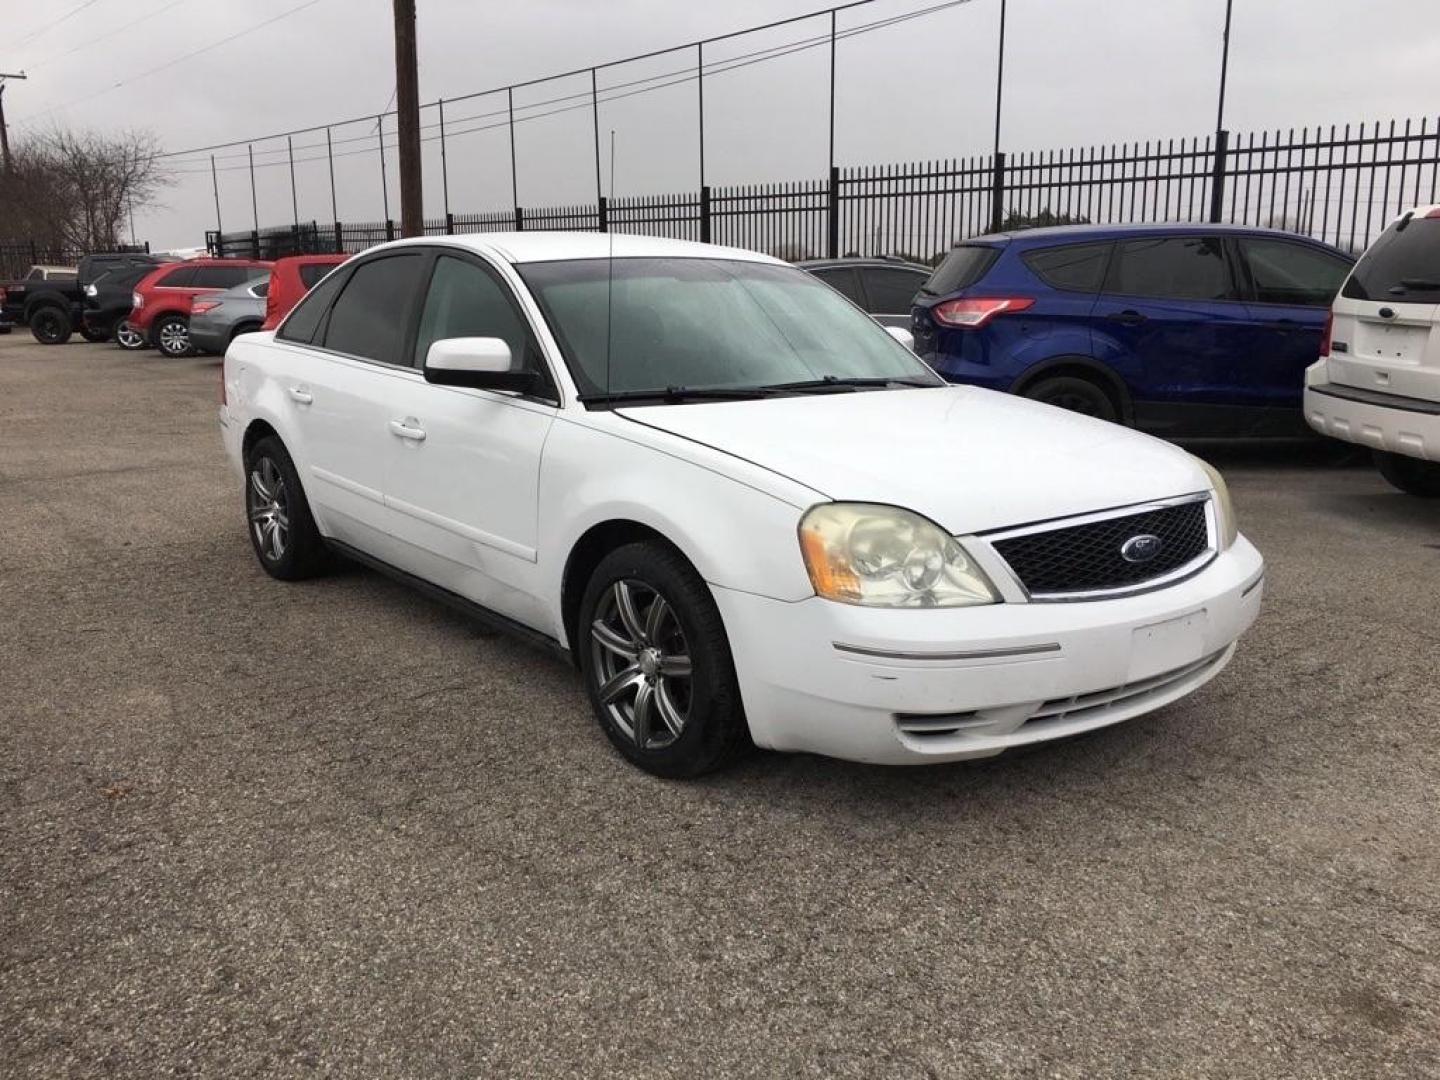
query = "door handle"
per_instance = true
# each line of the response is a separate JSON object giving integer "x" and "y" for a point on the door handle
{"x": 402, "y": 430}
{"x": 300, "y": 394}
{"x": 1128, "y": 317}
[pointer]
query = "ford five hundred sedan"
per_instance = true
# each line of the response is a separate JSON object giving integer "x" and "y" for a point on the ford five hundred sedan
{"x": 748, "y": 513}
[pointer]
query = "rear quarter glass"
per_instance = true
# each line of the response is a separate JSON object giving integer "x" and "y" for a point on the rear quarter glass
{"x": 1403, "y": 266}
{"x": 964, "y": 266}
{"x": 1073, "y": 267}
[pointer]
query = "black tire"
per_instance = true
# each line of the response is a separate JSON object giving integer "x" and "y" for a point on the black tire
{"x": 128, "y": 338}
{"x": 301, "y": 552}
{"x": 1411, "y": 475}
{"x": 713, "y": 731}
{"x": 1075, "y": 394}
{"x": 95, "y": 336}
{"x": 50, "y": 325}
{"x": 171, "y": 335}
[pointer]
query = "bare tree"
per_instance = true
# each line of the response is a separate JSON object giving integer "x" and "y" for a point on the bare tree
{"x": 74, "y": 189}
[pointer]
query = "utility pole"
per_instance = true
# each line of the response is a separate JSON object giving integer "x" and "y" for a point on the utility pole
{"x": 5, "y": 131}
{"x": 407, "y": 108}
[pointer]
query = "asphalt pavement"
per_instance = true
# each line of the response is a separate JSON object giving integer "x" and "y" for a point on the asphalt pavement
{"x": 249, "y": 828}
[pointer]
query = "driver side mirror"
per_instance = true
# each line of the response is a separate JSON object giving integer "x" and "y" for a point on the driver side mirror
{"x": 479, "y": 362}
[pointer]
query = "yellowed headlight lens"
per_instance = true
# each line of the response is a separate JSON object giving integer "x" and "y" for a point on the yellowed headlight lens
{"x": 1224, "y": 508}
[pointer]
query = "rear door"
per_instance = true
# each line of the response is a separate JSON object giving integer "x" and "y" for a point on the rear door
{"x": 462, "y": 465}
{"x": 1386, "y": 336}
{"x": 1171, "y": 320}
{"x": 890, "y": 292}
{"x": 1289, "y": 287}
{"x": 351, "y": 361}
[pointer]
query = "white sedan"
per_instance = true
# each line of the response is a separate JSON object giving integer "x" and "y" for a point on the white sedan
{"x": 745, "y": 510}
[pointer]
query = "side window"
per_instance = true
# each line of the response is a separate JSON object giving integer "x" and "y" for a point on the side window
{"x": 223, "y": 277}
{"x": 1287, "y": 273}
{"x": 179, "y": 278}
{"x": 892, "y": 291}
{"x": 370, "y": 318}
{"x": 842, "y": 280}
{"x": 260, "y": 288}
{"x": 467, "y": 300}
{"x": 305, "y": 320}
{"x": 1075, "y": 267}
{"x": 36, "y": 274}
{"x": 310, "y": 273}
{"x": 1173, "y": 267}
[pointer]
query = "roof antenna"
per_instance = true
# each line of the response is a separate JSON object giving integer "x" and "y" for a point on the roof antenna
{"x": 609, "y": 270}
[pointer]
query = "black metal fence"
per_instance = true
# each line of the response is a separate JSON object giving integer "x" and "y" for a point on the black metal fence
{"x": 1341, "y": 185}
{"x": 17, "y": 256}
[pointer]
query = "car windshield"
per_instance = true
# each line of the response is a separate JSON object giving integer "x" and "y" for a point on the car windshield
{"x": 627, "y": 326}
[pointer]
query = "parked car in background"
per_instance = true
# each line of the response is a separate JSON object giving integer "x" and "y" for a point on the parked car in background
{"x": 216, "y": 319}
{"x": 635, "y": 459}
{"x": 106, "y": 305}
{"x": 50, "y": 299}
{"x": 1377, "y": 382}
{"x": 1180, "y": 330}
{"x": 290, "y": 279}
{"x": 161, "y": 309}
{"x": 885, "y": 288}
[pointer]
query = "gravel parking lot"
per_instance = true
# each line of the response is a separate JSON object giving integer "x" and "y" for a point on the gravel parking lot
{"x": 249, "y": 828}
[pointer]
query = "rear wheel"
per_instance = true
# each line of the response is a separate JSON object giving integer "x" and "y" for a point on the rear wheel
{"x": 127, "y": 337}
{"x": 1075, "y": 394}
{"x": 172, "y": 336}
{"x": 657, "y": 663}
{"x": 1411, "y": 475}
{"x": 282, "y": 531}
{"x": 244, "y": 328}
{"x": 50, "y": 325}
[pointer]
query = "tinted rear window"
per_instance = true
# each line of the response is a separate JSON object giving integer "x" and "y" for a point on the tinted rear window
{"x": 842, "y": 280}
{"x": 180, "y": 277}
{"x": 891, "y": 291}
{"x": 1173, "y": 268}
{"x": 1402, "y": 266}
{"x": 965, "y": 265}
{"x": 310, "y": 273}
{"x": 305, "y": 320}
{"x": 225, "y": 277}
{"x": 1077, "y": 267}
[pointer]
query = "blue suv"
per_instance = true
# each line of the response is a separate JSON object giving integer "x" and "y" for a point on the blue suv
{"x": 1181, "y": 330}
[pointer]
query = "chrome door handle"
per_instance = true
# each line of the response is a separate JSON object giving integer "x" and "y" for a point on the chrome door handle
{"x": 403, "y": 430}
{"x": 303, "y": 396}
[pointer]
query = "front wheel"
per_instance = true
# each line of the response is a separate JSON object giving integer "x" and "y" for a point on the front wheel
{"x": 50, "y": 326}
{"x": 1074, "y": 394}
{"x": 128, "y": 338}
{"x": 1411, "y": 475}
{"x": 657, "y": 663}
{"x": 172, "y": 336}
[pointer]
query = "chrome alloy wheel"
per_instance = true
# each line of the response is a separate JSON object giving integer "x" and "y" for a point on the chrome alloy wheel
{"x": 641, "y": 663}
{"x": 268, "y": 506}
{"x": 174, "y": 338}
{"x": 128, "y": 337}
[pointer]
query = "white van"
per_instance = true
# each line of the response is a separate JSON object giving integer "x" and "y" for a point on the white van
{"x": 1377, "y": 382}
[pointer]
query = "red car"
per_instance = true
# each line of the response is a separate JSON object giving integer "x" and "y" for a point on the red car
{"x": 161, "y": 310}
{"x": 290, "y": 279}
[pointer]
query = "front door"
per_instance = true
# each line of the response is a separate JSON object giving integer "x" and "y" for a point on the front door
{"x": 463, "y": 465}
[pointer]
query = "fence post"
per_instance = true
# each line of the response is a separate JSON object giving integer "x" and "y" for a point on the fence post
{"x": 254, "y": 243}
{"x": 389, "y": 229}
{"x": 296, "y": 249}
{"x": 832, "y": 225}
{"x": 604, "y": 214}
{"x": 219, "y": 245}
{"x": 519, "y": 219}
{"x": 705, "y": 214}
{"x": 339, "y": 239}
{"x": 34, "y": 258}
{"x": 997, "y": 192}
{"x": 449, "y": 223}
{"x": 1217, "y": 179}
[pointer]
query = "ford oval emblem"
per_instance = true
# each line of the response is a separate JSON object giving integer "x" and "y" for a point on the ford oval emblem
{"x": 1142, "y": 548}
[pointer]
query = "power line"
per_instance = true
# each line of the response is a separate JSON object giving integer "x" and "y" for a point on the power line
{"x": 106, "y": 39}
{"x": 54, "y": 23}
{"x": 178, "y": 60}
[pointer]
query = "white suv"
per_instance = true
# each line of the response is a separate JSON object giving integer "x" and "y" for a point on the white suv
{"x": 1377, "y": 382}
{"x": 742, "y": 507}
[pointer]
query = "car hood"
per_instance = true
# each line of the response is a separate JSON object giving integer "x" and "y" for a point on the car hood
{"x": 969, "y": 459}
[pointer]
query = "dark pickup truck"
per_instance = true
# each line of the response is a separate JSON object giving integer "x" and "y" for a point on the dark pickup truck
{"x": 50, "y": 299}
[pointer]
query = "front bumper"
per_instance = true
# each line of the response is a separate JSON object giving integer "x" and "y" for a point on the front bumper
{"x": 1381, "y": 421}
{"x": 912, "y": 686}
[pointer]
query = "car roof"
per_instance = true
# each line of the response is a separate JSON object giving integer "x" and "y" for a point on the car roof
{"x": 1052, "y": 233}
{"x": 863, "y": 260}
{"x": 530, "y": 247}
{"x": 312, "y": 260}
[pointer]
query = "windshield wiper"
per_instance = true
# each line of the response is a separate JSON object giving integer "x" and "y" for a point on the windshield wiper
{"x": 837, "y": 383}
{"x": 1417, "y": 283}
{"x": 675, "y": 394}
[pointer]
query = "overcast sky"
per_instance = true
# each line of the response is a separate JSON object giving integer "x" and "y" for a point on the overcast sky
{"x": 1077, "y": 72}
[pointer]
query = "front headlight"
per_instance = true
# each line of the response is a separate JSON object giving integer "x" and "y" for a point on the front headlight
{"x": 1224, "y": 508}
{"x": 882, "y": 556}
{"x": 91, "y": 291}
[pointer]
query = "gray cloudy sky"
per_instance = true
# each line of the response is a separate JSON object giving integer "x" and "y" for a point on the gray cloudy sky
{"x": 1077, "y": 72}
